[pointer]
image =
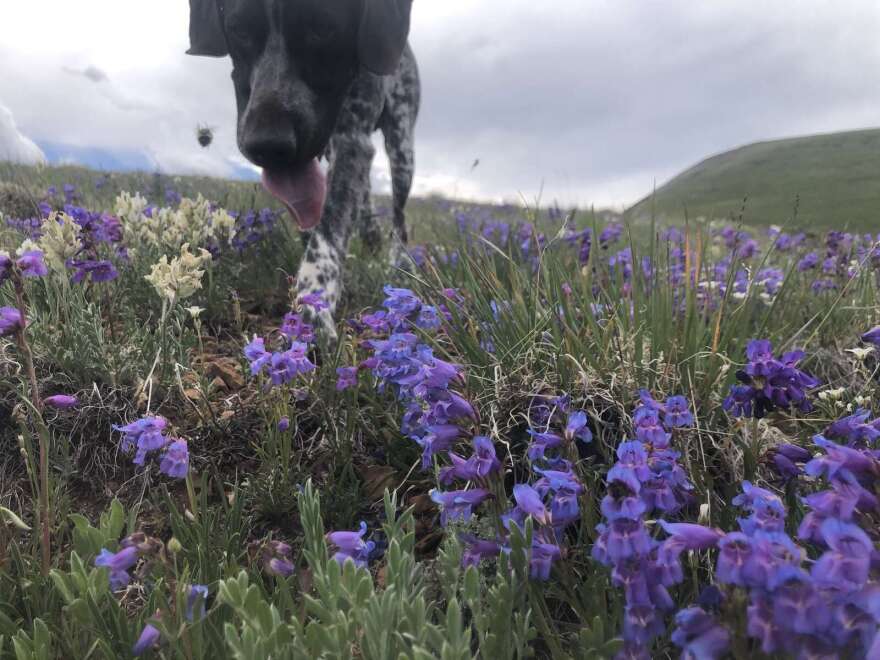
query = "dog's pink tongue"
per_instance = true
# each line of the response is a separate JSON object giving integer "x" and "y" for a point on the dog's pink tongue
{"x": 302, "y": 191}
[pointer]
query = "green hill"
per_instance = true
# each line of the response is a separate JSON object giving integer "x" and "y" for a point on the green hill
{"x": 833, "y": 180}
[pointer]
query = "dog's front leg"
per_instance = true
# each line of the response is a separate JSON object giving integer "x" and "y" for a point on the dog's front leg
{"x": 321, "y": 267}
{"x": 352, "y": 151}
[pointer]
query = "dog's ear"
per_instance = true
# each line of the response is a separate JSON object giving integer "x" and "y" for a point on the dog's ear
{"x": 383, "y": 34}
{"x": 206, "y": 34}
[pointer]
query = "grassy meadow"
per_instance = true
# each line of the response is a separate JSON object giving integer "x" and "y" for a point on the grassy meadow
{"x": 550, "y": 437}
{"x": 820, "y": 181}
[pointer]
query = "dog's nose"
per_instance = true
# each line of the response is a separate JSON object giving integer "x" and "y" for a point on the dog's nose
{"x": 269, "y": 149}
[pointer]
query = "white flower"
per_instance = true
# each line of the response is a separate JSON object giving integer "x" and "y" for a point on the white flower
{"x": 181, "y": 277}
{"x": 832, "y": 395}
{"x": 27, "y": 246}
{"x": 861, "y": 353}
{"x": 60, "y": 240}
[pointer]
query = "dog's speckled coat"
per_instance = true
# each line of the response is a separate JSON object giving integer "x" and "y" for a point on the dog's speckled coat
{"x": 319, "y": 77}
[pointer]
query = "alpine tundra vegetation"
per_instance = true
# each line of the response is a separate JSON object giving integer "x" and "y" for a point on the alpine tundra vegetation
{"x": 548, "y": 436}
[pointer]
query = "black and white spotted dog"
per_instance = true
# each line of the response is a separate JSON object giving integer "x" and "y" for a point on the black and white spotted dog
{"x": 315, "y": 78}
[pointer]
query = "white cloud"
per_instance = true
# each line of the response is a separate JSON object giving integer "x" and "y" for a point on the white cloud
{"x": 14, "y": 146}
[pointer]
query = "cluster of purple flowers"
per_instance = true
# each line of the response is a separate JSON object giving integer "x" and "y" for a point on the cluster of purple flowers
{"x": 739, "y": 242}
{"x": 646, "y": 479}
{"x": 479, "y": 468}
{"x": 583, "y": 239}
{"x": 146, "y": 436}
{"x": 831, "y": 608}
{"x": 843, "y": 255}
{"x": 434, "y": 413}
{"x": 283, "y": 366}
{"x": 100, "y": 238}
{"x": 786, "y": 242}
{"x": 520, "y": 239}
{"x": 610, "y": 234}
{"x": 769, "y": 383}
{"x": 436, "y": 416}
{"x": 29, "y": 265}
{"x": 551, "y": 501}
{"x": 253, "y": 227}
{"x": 276, "y": 559}
{"x": 404, "y": 312}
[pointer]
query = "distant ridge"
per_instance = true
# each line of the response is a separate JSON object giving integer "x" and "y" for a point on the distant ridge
{"x": 834, "y": 178}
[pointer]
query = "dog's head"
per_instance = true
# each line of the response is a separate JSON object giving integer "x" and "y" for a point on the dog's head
{"x": 293, "y": 64}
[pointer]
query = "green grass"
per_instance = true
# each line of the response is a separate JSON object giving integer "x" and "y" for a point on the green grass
{"x": 527, "y": 321}
{"x": 830, "y": 181}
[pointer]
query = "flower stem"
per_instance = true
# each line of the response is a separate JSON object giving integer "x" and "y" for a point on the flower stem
{"x": 43, "y": 432}
{"x": 191, "y": 494}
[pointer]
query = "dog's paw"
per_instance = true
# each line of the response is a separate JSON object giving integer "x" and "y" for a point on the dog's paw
{"x": 399, "y": 257}
{"x": 323, "y": 325}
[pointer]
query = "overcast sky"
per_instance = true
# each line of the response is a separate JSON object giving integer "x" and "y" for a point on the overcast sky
{"x": 591, "y": 101}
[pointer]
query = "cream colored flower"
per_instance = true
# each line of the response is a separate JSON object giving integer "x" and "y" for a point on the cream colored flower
{"x": 832, "y": 395}
{"x": 26, "y": 246}
{"x": 60, "y": 241}
{"x": 181, "y": 277}
{"x": 195, "y": 311}
{"x": 130, "y": 209}
{"x": 861, "y": 353}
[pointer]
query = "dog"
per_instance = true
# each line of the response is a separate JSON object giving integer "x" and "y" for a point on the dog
{"x": 317, "y": 78}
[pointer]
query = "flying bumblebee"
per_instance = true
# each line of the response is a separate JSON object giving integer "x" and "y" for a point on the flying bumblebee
{"x": 205, "y": 136}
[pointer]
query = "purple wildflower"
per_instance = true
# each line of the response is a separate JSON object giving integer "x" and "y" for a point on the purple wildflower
{"x": 31, "y": 264}
{"x": 196, "y": 597}
{"x": 872, "y": 336}
{"x": 351, "y": 545}
{"x": 61, "y": 401}
{"x": 480, "y": 465}
{"x": 118, "y": 564}
{"x": 678, "y": 413}
{"x": 144, "y": 435}
{"x": 257, "y": 355}
{"x": 296, "y": 329}
{"x": 649, "y": 429}
{"x": 458, "y": 504}
{"x": 149, "y": 639}
{"x": 347, "y": 378}
{"x": 541, "y": 442}
{"x": 699, "y": 636}
{"x": 286, "y": 366}
{"x": 541, "y": 559}
{"x": 11, "y": 321}
{"x": 96, "y": 270}
{"x": 476, "y": 550}
{"x": 276, "y": 559}
{"x": 576, "y": 427}
{"x": 315, "y": 300}
{"x": 846, "y": 564}
{"x": 175, "y": 460}
{"x": 530, "y": 503}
